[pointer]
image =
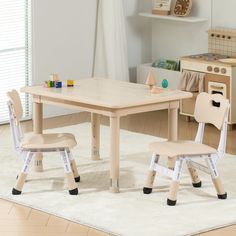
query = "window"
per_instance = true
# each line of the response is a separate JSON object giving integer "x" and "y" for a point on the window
{"x": 15, "y": 52}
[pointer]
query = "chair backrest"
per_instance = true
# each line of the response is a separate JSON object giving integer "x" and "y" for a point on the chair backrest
{"x": 15, "y": 115}
{"x": 211, "y": 108}
{"x": 14, "y": 98}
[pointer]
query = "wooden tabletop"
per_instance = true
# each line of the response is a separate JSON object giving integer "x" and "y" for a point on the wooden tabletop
{"x": 107, "y": 93}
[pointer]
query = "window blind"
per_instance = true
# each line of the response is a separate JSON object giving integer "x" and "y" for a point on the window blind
{"x": 15, "y": 52}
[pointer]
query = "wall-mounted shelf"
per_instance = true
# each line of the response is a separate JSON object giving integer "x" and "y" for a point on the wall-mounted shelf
{"x": 190, "y": 19}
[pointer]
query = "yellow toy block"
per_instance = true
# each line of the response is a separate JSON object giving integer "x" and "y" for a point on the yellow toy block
{"x": 70, "y": 83}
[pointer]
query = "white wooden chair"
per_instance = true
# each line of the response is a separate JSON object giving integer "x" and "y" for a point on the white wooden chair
{"x": 26, "y": 146}
{"x": 191, "y": 151}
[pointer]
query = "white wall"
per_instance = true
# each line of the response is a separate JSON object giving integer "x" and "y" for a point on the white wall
{"x": 175, "y": 39}
{"x": 171, "y": 40}
{"x": 138, "y": 34}
{"x": 63, "y": 41}
{"x": 224, "y": 14}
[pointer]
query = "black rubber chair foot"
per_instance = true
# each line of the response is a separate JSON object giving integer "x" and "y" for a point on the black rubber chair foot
{"x": 171, "y": 202}
{"x": 147, "y": 190}
{"x": 16, "y": 192}
{"x": 74, "y": 191}
{"x": 197, "y": 185}
{"x": 222, "y": 196}
{"x": 77, "y": 179}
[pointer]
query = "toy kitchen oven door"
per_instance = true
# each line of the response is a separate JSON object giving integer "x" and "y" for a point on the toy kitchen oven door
{"x": 220, "y": 77}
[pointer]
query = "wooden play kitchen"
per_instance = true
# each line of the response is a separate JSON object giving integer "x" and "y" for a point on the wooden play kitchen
{"x": 110, "y": 98}
{"x": 218, "y": 67}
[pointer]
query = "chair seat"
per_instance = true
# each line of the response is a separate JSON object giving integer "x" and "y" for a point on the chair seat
{"x": 181, "y": 148}
{"x": 48, "y": 141}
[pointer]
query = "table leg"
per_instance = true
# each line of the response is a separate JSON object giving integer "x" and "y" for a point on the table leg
{"x": 172, "y": 131}
{"x": 173, "y": 124}
{"x": 114, "y": 153}
{"x": 95, "y": 129}
{"x": 38, "y": 129}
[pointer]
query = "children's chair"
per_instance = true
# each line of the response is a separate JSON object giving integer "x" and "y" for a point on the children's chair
{"x": 210, "y": 108}
{"x": 28, "y": 145}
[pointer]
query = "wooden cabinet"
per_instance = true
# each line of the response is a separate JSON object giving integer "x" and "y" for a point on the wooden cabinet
{"x": 217, "y": 84}
{"x": 188, "y": 105}
{"x": 213, "y": 84}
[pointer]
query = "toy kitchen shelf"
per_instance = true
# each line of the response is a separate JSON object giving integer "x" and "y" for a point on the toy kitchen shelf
{"x": 188, "y": 19}
{"x": 172, "y": 76}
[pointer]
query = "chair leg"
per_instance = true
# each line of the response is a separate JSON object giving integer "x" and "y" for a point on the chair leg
{"x": 171, "y": 163}
{"x": 219, "y": 188}
{"x": 147, "y": 189}
{"x": 172, "y": 198}
{"x": 22, "y": 176}
{"x": 196, "y": 182}
{"x": 221, "y": 194}
{"x": 74, "y": 168}
{"x": 149, "y": 182}
{"x": 72, "y": 186}
{"x": 174, "y": 187}
{"x": 75, "y": 171}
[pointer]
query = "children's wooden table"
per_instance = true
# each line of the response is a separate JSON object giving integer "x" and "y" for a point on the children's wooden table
{"x": 110, "y": 98}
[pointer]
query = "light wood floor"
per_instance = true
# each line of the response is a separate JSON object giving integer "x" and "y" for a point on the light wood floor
{"x": 17, "y": 220}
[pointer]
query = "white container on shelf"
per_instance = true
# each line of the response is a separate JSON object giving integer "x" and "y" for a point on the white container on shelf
{"x": 173, "y": 77}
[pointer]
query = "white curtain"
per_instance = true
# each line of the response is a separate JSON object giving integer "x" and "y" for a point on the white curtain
{"x": 111, "y": 58}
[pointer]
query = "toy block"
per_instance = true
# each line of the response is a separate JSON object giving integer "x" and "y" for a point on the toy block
{"x": 58, "y": 84}
{"x": 52, "y": 84}
{"x": 53, "y": 77}
{"x": 50, "y": 77}
{"x": 49, "y": 84}
{"x": 70, "y": 83}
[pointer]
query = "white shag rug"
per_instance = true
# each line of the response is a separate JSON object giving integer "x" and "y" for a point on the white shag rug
{"x": 129, "y": 213}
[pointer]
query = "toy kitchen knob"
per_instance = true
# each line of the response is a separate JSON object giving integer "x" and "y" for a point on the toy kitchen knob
{"x": 209, "y": 68}
{"x": 216, "y": 69}
{"x": 223, "y": 71}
